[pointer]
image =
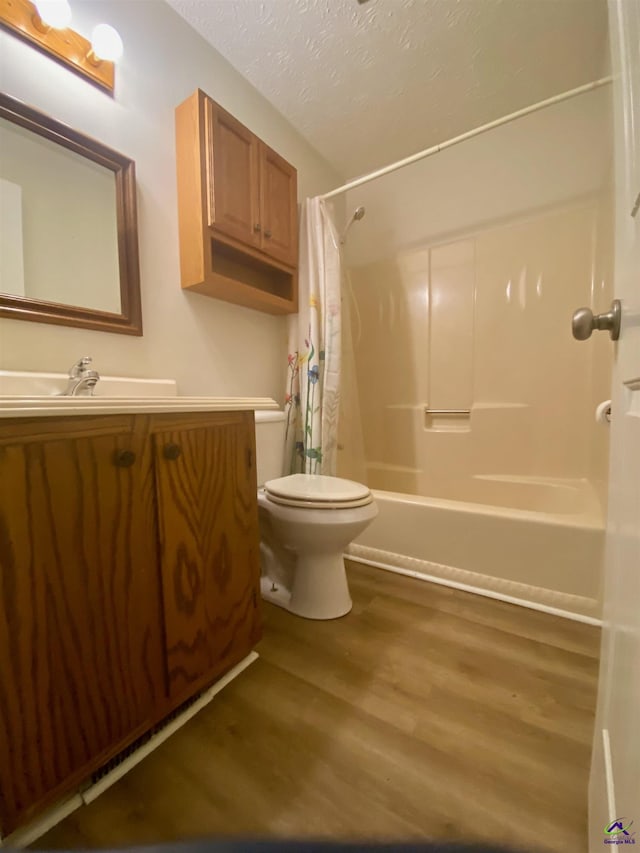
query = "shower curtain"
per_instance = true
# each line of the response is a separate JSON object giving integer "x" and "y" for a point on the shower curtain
{"x": 313, "y": 386}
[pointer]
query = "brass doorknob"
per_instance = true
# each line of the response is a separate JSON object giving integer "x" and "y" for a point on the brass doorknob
{"x": 584, "y": 321}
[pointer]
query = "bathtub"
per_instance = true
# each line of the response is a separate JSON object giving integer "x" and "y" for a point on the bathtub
{"x": 537, "y": 541}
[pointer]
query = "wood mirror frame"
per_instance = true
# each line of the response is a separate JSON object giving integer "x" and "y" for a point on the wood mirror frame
{"x": 129, "y": 320}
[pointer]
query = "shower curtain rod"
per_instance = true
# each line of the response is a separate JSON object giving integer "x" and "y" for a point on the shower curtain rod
{"x": 420, "y": 155}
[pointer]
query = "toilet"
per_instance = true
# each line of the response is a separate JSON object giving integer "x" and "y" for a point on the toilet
{"x": 306, "y": 522}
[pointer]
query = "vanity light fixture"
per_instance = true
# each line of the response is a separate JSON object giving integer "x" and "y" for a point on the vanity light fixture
{"x": 105, "y": 44}
{"x": 54, "y": 14}
{"x": 44, "y": 24}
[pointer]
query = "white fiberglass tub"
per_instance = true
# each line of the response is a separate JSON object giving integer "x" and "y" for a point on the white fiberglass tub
{"x": 538, "y": 540}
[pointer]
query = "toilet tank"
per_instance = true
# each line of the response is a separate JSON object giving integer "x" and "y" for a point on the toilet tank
{"x": 270, "y": 428}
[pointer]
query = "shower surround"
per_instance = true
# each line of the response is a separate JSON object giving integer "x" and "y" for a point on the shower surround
{"x": 477, "y": 406}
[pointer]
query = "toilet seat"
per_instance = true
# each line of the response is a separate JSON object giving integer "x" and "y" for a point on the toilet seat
{"x": 317, "y": 491}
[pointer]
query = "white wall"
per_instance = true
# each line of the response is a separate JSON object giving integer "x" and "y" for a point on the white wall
{"x": 209, "y": 346}
{"x": 539, "y": 161}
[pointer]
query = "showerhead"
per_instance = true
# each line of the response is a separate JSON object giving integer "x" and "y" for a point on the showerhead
{"x": 358, "y": 214}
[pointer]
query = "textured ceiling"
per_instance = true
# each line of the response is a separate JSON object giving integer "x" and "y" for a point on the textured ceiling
{"x": 368, "y": 84}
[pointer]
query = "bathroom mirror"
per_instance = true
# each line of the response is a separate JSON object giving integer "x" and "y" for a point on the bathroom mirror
{"x": 68, "y": 227}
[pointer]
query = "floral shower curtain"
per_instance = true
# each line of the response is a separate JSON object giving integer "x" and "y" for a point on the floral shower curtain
{"x": 313, "y": 386}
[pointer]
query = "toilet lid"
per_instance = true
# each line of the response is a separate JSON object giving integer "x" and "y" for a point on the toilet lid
{"x": 318, "y": 489}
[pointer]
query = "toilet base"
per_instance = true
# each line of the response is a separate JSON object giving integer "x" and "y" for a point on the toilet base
{"x": 320, "y": 589}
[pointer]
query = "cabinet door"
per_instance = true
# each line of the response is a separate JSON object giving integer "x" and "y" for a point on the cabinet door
{"x": 209, "y": 548}
{"x": 80, "y": 646}
{"x": 232, "y": 153}
{"x": 278, "y": 206}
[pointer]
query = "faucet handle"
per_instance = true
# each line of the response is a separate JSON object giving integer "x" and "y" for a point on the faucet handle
{"x": 80, "y": 367}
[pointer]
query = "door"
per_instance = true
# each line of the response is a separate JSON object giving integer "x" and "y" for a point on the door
{"x": 80, "y": 648}
{"x": 232, "y": 155}
{"x": 278, "y": 206}
{"x": 207, "y": 503}
{"x": 614, "y": 790}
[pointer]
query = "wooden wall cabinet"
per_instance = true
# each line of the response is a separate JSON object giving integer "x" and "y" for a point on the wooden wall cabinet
{"x": 237, "y": 211}
{"x": 129, "y": 580}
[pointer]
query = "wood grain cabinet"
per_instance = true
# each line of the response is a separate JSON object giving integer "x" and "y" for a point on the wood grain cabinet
{"x": 209, "y": 548}
{"x": 237, "y": 210}
{"x": 278, "y": 206}
{"x": 129, "y": 581}
{"x": 232, "y": 176}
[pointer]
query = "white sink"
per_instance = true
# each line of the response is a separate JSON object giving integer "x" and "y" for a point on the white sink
{"x": 26, "y": 394}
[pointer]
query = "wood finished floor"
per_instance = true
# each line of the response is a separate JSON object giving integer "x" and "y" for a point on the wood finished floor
{"x": 425, "y": 713}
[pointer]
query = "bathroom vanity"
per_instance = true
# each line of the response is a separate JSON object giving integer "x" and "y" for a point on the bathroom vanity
{"x": 129, "y": 580}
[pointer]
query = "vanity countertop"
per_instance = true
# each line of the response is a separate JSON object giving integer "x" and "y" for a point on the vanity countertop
{"x": 53, "y": 406}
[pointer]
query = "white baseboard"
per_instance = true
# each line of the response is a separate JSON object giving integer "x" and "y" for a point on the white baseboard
{"x": 608, "y": 775}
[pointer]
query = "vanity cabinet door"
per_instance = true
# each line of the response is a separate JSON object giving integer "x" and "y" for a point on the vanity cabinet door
{"x": 233, "y": 176}
{"x": 209, "y": 542}
{"x": 81, "y": 665}
{"x": 278, "y": 206}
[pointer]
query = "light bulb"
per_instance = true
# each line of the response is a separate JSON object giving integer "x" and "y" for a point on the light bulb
{"x": 106, "y": 43}
{"x": 54, "y": 13}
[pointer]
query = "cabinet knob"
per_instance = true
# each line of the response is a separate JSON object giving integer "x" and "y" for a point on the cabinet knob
{"x": 267, "y": 233}
{"x": 172, "y": 451}
{"x": 124, "y": 458}
{"x": 257, "y": 228}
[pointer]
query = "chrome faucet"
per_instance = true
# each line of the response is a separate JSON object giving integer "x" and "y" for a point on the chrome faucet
{"x": 82, "y": 379}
